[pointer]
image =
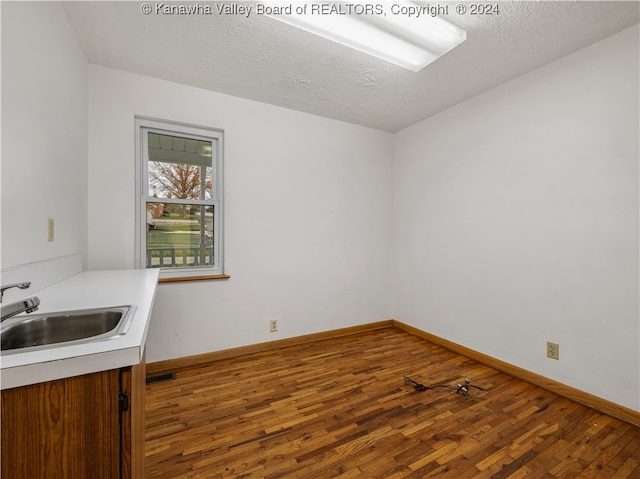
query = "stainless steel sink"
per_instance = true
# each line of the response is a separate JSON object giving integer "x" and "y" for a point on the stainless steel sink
{"x": 40, "y": 331}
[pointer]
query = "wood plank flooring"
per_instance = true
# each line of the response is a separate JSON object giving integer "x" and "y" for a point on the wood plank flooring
{"x": 340, "y": 409}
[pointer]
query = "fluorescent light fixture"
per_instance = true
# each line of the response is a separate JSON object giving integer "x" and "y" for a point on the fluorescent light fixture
{"x": 403, "y": 33}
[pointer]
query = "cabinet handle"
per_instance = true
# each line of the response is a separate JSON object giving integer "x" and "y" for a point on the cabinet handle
{"x": 123, "y": 401}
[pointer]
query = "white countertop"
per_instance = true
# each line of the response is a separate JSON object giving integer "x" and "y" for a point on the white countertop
{"x": 88, "y": 289}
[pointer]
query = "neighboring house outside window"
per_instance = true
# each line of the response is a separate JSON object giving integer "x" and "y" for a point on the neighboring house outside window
{"x": 179, "y": 210}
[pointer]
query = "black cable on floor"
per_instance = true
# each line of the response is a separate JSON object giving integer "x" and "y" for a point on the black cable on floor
{"x": 460, "y": 389}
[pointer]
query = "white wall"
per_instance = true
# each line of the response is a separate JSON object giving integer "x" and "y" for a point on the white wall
{"x": 307, "y": 216}
{"x": 44, "y": 134}
{"x": 516, "y": 221}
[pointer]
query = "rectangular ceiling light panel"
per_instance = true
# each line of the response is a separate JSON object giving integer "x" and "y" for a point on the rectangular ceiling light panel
{"x": 412, "y": 42}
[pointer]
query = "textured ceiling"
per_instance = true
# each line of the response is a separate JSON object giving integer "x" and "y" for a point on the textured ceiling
{"x": 258, "y": 58}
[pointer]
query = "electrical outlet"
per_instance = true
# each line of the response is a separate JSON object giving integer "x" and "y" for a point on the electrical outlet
{"x": 273, "y": 325}
{"x": 553, "y": 350}
{"x": 50, "y": 229}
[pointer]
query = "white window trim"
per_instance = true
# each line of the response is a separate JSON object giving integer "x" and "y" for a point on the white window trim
{"x": 142, "y": 125}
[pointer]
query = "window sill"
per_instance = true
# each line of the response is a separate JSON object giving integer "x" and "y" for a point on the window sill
{"x": 181, "y": 279}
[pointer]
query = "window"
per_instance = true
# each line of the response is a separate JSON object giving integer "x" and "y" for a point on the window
{"x": 179, "y": 211}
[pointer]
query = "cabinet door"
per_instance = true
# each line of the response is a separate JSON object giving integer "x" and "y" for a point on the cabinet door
{"x": 132, "y": 385}
{"x": 63, "y": 429}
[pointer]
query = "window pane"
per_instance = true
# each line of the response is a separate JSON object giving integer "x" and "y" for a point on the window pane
{"x": 179, "y": 235}
{"x": 180, "y": 167}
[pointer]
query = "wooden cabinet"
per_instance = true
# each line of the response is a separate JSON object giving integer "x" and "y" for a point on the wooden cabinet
{"x": 89, "y": 426}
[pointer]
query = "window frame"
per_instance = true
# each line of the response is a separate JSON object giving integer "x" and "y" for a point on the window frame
{"x": 143, "y": 126}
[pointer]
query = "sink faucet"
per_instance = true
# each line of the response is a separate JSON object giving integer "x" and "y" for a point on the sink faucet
{"x": 26, "y": 305}
{"x": 24, "y": 285}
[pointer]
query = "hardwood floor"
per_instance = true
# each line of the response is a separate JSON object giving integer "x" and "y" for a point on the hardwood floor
{"x": 340, "y": 409}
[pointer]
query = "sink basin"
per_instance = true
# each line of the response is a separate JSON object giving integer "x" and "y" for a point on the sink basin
{"x": 39, "y": 331}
